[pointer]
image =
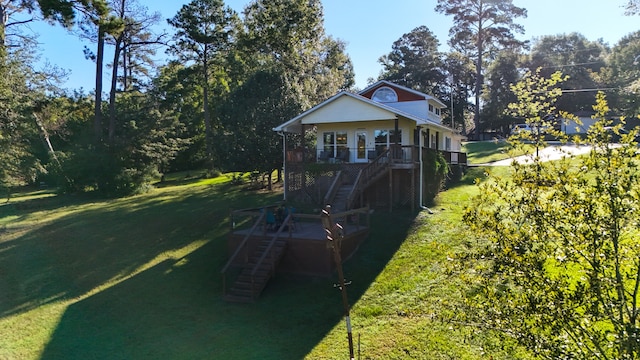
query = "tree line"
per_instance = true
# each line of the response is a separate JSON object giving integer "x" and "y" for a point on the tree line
{"x": 232, "y": 77}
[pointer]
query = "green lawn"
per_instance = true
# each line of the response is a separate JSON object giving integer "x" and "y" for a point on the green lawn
{"x": 482, "y": 152}
{"x": 138, "y": 278}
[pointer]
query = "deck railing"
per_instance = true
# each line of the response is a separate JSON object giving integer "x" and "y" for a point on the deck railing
{"x": 243, "y": 243}
{"x": 335, "y": 185}
{"x": 398, "y": 154}
{"x": 368, "y": 174}
{"x": 297, "y": 219}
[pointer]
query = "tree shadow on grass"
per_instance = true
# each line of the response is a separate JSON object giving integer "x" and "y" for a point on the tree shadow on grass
{"x": 93, "y": 244}
{"x": 388, "y": 232}
{"x": 175, "y": 310}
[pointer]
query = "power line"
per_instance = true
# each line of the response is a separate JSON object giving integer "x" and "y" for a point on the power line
{"x": 570, "y": 65}
{"x": 587, "y": 90}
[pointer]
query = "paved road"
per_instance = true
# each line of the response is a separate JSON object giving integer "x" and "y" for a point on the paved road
{"x": 553, "y": 152}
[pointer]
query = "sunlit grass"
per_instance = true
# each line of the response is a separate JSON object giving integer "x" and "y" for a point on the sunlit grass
{"x": 483, "y": 152}
{"x": 402, "y": 313}
{"x": 139, "y": 278}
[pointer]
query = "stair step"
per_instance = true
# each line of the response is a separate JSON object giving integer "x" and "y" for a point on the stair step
{"x": 246, "y": 290}
{"x": 262, "y": 248}
{"x": 238, "y": 298}
{"x": 253, "y": 260}
{"x": 247, "y": 279}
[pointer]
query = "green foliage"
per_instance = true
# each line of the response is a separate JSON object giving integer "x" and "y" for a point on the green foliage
{"x": 147, "y": 140}
{"x": 556, "y": 52}
{"x": 248, "y": 117}
{"x": 282, "y": 65}
{"x": 624, "y": 74}
{"x": 558, "y": 268}
{"x": 205, "y": 31}
{"x": 415, "y": 62}
{"x": 480, "y": 28}
{"x": 144, "y": 270}
{"x": 177, "y": 92}
{"x": 460, "y": 69}
{"x": 501, "y": 74}
{"x": 65, "y": 12}
{"x": 236, "y": 178}
{"x": 435, "y": 170}
{"x": 536, "y": 105}
{"x": 19, "y": 100}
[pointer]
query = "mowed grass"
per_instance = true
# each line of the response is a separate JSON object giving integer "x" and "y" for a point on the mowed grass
{"x": 483, "y": 152}
{"x": 138, "y": 278}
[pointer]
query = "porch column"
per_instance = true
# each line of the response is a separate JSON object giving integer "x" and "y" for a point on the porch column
{"x": 397, "y": 128}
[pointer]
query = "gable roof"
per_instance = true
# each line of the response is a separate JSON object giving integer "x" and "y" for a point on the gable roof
{"x": 402, "y": 88}
{"x": 361, "y": 109}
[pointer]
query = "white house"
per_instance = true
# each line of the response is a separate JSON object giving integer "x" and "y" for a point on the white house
{"x": 385, "y": 126}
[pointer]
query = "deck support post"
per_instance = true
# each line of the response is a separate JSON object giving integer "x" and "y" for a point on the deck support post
{"x": 334, "y": 237}
{"x": 390, "y": 190}
{"x": 413, "y": 189}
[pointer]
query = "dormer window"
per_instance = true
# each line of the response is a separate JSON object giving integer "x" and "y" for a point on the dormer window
{"x": 385, "y": 95}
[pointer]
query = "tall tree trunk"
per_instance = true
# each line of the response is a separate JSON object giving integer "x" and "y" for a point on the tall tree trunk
{"x": 207, "y": 115}
{"x": 479, "y": 80}
{"x": 114, "y": 78}
{"x": 125, "y": 68}
{"x": 97, "y": 122}
{"x": 112, "y": 93}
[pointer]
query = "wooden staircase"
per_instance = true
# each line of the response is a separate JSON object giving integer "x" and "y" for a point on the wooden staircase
{"x": 259, "y": 267}
{"x": 343, "y": 195}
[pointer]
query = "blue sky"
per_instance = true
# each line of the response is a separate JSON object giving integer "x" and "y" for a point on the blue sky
{"x": 369, "y": 27}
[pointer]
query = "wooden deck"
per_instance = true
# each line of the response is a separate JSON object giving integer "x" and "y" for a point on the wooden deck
{"x": 306, "y": 250}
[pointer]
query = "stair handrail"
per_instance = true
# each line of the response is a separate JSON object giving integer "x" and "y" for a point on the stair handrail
{"x": 366, "y": 173}
{"x": 331, "y": 193}
{"x": 355, "y": 189}
{"x": 243, "y": 243}
{"x": 286, "y": 222}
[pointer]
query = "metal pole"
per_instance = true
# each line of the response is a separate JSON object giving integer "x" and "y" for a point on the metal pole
{"x": 334, "y": 236}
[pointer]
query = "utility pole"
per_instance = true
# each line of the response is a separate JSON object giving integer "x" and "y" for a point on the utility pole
{"x": 334, "y": 237}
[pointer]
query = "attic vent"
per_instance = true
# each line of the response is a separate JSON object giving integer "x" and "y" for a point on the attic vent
{"x": 385, "y": 95}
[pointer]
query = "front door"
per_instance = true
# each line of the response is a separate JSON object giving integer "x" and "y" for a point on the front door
{"x": 361, "y": 145}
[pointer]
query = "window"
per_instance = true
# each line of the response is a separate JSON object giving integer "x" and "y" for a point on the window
{"x": 437, "y": 111}
{"x": 447, "y": 143}
{"x": 381, "y": 140}
{"x": 334, "y": 142}
{"x": 329, "y": 139}
{"x": 384, "y": 138}
{"x": 341, "y": 142}
{"x": 385, "y": 95}
{"x": 430, "y": 108}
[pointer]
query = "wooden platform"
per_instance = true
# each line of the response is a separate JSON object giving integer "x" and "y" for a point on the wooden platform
{"x": 307, "y": 251}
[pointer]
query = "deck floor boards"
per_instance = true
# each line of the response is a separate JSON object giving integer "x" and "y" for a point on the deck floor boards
{"x": 302, "y": 230}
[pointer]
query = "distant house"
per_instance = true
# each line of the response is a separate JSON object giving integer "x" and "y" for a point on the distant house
{"x": 371, "y": 148}
{"x": 571, "y": 127}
